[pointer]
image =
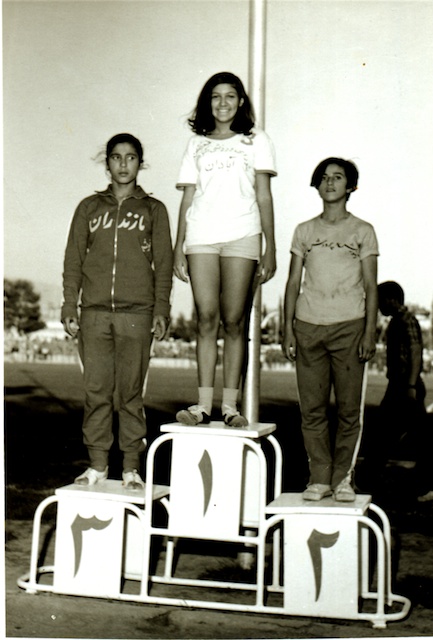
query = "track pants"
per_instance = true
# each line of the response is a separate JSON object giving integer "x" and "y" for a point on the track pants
{"x": 115, "y": 351}
{"x": 328, "y": 355}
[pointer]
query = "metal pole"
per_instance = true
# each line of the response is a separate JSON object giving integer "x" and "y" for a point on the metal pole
{"x": 256, "y": 90}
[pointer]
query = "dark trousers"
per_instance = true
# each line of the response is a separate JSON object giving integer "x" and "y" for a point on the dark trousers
{"x": 328, "y": 355}
{"x": 115, "y": 352}
{"x": 401, "y": 415}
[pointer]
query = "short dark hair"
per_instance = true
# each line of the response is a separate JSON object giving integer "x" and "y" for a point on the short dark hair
{"x": 202, "y": 121}
{"x": 350, "y": 169}
{"x": 391, "y": 290}
{"x": 119, "y": 138}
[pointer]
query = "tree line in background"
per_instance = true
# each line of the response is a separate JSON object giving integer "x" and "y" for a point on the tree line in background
{"x": 21, "y": 305}
{"x": 22, "y": 314}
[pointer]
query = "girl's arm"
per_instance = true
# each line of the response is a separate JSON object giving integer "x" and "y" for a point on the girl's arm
{"x": 162, "y": 260}
{"x": 367, "y": 346}
{"x": 292, "y": 292}
{"x": 268, "y": 264}
{"x": 180, "y": 261}
{"x": 75, "y": 253}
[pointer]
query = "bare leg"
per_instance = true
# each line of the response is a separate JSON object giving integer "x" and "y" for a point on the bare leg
{"x": 236, "y": 277}
{"x": 204, "y": 272}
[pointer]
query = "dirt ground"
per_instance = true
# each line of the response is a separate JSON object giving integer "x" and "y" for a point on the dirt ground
{"x": 43, "y": 412}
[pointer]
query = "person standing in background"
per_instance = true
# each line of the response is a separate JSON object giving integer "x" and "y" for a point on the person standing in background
{"x": 402, "y": 409}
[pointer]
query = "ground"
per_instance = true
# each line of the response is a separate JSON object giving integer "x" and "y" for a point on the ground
{"x": 43, "y": 413}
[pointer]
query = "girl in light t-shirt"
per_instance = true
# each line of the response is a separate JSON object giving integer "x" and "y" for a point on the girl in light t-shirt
{"x": 226, "y": 207}
{"x": 330, "y": 326}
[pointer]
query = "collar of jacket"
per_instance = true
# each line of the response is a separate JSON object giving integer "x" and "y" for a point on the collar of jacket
{"x": 137, "y": 193}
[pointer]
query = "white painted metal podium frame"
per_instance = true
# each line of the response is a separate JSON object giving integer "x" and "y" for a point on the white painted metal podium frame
{"x": 218, "y": 491}
{"x": 91, "y": 520}
{"x": 326, "y": 553}
{"x": 92, "y": 523}
{"x": 313, "y": 558}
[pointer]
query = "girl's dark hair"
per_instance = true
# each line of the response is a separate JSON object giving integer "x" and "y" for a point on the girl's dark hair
{"x": 352, "y": 173}
{"x": 202, "y": 120}
{"x": 119, "y": 138}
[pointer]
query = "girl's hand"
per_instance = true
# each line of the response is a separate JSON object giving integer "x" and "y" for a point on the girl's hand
{"x": 289, "y": 344}
{"x": 267, "y": 266}
{"x": 181, "y": 265}
{"x": 159, "y": 327}
{"x": 71, "y": 326}
{"x": 367, "y": 347}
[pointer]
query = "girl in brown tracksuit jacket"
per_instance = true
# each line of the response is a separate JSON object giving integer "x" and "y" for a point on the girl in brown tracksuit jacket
{"x": 118, "y": 269}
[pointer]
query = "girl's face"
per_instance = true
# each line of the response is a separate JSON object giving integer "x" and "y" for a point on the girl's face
{"x": 333, "y": 186}
{"x": 123, "y": 163}
{"x": 225, "y": 103}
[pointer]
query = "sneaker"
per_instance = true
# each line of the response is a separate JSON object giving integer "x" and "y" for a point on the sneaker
{"x": 317, "y": 491}
{"x": 426, "y": 497}
{"x": 91, "y": 476}
{"x": 235, "y": 420}
{"x": 132, "y": 480}
{"x": 344, "y": 492}
{"x": 193, "y": 416}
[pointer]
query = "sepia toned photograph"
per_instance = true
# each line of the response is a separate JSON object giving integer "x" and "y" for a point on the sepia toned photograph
{"x": 218, "y": 334}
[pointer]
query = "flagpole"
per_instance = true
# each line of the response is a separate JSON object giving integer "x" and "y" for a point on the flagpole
{"x": 256, "y": 90}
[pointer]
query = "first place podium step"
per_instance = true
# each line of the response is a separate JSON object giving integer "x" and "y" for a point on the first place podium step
{"x": 216, "y": 428}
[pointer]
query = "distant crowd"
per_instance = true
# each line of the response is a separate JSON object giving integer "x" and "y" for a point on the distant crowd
{"x": 28, "y": 349}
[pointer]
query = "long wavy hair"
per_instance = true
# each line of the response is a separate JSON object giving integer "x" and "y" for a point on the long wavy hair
{"x": 202, "y": 121}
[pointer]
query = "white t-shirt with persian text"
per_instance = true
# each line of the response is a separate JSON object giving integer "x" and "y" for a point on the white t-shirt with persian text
{"x": 224, "y": 206}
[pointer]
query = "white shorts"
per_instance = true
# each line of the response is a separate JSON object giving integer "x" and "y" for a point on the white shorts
{"x": 248, "y": 247}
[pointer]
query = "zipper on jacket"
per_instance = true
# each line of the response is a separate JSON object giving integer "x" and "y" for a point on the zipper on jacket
{"x": 113, "y": 273}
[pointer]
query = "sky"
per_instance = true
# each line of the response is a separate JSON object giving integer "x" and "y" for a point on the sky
{"x": 343, "y": 78}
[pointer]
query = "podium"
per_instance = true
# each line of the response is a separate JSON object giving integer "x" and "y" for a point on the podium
{"x": 326, "y": 551}
{"x": 219, "y": 486}
{"x": 99, "y": 532}
{"x": 224, "y": 486}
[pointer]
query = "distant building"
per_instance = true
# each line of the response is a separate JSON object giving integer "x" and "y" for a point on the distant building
{"x": 53, "y": 331}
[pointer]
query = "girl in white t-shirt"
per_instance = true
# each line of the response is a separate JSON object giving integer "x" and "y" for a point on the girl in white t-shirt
{"x": 226, "y": 206}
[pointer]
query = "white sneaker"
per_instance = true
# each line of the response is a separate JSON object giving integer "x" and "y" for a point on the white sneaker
{"x": 317, "y": 491}
{"x": 132, "y": 480}
{"x": 344, "y": 492}
{"x": 91, "y": 476}
{"x": 426, "y": 497}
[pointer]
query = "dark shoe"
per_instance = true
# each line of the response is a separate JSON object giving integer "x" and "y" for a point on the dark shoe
{"x": 193, "y": 416}
{"x": 235, "y": 420}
